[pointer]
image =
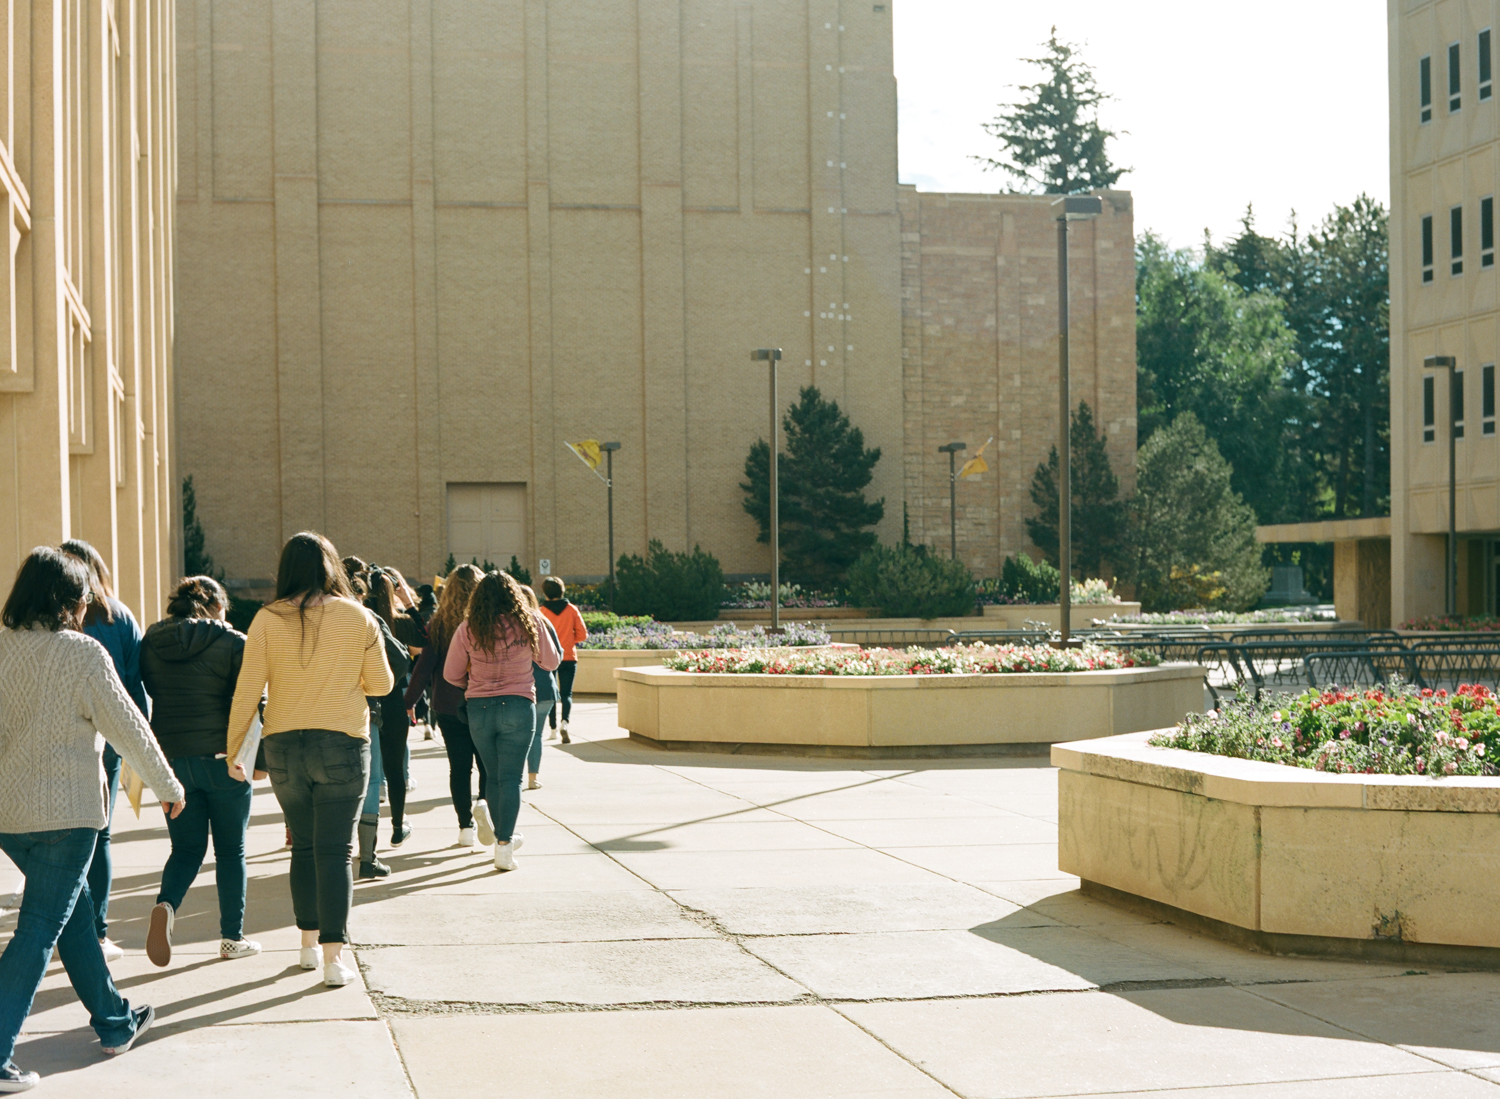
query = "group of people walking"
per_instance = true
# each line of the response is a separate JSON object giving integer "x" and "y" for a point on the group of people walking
{"x": 319, "y": 695}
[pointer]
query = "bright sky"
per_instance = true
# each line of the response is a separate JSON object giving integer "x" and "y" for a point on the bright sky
{"x": 1280, "y": 102}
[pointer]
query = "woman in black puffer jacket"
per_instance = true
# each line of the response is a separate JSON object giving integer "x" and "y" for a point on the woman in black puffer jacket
{"x": 190, "y": 662}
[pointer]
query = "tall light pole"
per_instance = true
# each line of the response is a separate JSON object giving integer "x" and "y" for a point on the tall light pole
{"x": 609, "y": 483}
{"x": 952, "y": 449}
{"x": 771, "y": 356}
{"x": 1450, "y": 363}
{"x": 1069, "y": 208}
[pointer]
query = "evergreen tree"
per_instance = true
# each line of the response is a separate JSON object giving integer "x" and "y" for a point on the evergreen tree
{"x": 196, "y": 561}
{"x": 1098, "y": 512}
{"x": 1052, "y": 137}
{"x": 823, "y": 510}
{"x": 1192, "y": 536}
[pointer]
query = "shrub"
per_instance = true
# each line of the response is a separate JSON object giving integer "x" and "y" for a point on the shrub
{"x": 242, "y": 612}
{"x": 669, "y": 586}
{"x": 604, "y": 621}
{"x": 1029, "y": 581}
{"x": 658, "y": 635}
{"x": 908, "y": 582}
{"x": 519, "y": 572}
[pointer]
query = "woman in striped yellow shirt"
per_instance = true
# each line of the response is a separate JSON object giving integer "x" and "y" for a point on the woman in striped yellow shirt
{"x": 318, "y": 654}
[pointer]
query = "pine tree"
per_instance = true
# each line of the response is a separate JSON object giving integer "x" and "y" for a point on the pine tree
{"x": 196, "y": 560}
{"x": 1098, "y": 512}
{"x": 823, "y": 510}
{"x": 1052, "y": 138}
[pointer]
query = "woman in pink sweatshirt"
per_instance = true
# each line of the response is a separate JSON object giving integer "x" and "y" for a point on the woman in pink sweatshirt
{"x": 490, "y": 658}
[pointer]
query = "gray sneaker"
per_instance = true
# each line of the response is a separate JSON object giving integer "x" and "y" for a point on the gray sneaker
{"x": 13, "y": 1079}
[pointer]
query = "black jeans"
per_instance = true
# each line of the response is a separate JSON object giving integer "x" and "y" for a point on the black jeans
{"x": 102, "y": 869}
{"x": 394, "y": 725}
{"x": 462, "y": 759}
{"x": 319, "y": 777}
{"x": 565, "y": 673}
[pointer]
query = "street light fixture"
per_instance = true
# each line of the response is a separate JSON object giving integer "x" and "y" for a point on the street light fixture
{"x": 952, "y": 449}
{"x": 1450, "y": 363}
{"x": 771, "y": 356}
{"x": 1069, "y": 208}
{"x": 609, "y": 483}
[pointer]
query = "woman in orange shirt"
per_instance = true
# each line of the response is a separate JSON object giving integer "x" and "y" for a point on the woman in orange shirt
{"x": 570, "y": 629}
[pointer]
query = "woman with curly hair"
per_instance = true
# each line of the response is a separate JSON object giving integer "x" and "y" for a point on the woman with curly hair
{"x": 491, "y": 657}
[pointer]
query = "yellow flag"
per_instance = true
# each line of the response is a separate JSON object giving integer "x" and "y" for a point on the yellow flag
{"x": 588, "y": 452}
{"x": 976, "y": 465}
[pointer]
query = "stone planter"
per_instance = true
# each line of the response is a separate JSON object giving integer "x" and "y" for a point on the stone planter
{"x": 1014, "y": 616}
{"x": 1284, "y": 859}
{"x": 596, "y": 667}
{"x": 901, "y": 715}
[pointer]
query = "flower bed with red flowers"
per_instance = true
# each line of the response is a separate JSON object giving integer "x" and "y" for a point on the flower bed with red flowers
{"x": 958, "y": 660}
{"x": 1394, "y": 731}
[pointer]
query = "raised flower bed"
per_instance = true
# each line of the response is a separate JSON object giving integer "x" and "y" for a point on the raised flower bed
{"x": 1362, "y": 824}
{"x": 963, "y": 700}
{"x": 648, "y": 644}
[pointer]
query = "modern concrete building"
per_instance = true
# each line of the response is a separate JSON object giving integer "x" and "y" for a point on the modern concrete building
{"x": 424, "y": 244}
{"x": 88, "y": 173}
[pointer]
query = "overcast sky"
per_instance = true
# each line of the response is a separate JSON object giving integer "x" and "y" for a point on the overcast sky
{"x": 1280, "y": 103}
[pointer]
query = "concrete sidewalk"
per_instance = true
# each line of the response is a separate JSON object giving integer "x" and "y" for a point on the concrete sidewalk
{"x": 712, "y": 925}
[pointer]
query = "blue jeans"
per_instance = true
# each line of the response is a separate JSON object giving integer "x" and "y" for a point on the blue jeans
{"x": 377, "y": 775}
{"x": 219, "y": 805}
{"x": 102, "y": 869}
{"x": 502, "y": 728}
{"x": 57, "y": 911}
{"x": 534, "y": 756}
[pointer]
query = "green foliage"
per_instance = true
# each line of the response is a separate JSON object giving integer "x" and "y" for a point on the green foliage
{"x": 670, "y": 587}
{"x": 1192, "y": 536}
{"x": 485, "y": 566}
{"x": 602, "y": 621}
{"x": 242, "y": 611}
{"x": 909, "y": 582}
{"x": 1098, "y": 511}
{"x": 1029, "y": 581}
{"x": 1052, "y": 138}
{"x": 196, "y": 560}
{"x": 522, "y": 574}
{"x": 449, "y": 565}
{"x": 823, "y": 474}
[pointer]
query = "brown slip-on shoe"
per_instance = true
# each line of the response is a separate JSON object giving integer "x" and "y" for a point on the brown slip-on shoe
{"x": 159, "y": 934}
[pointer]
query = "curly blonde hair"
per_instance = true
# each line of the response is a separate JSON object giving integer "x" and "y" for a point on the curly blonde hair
{"x": 453, "y": 602}
{"x": 498, "y": 606}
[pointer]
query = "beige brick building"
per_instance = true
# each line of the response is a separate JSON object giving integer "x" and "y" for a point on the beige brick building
{"x": 424, "y": 244}
{"x": 87, "y": 171}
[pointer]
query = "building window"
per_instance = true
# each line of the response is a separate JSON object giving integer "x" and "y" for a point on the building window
{"x": 1487, "y": 399}
{"x": 1454, "y": 100}
{"x": 1429, "y": 408}
{"x": 1424, "y": 68}
{"x": 1456, "y": 238}
{"x": 1487, "y": 232}
{"x": 1427, "y": 248}
{"x": 1485, "y": 84}
{"x": 1456, "y": 395}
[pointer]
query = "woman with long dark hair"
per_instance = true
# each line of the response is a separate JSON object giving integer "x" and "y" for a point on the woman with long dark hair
{"x": 491, "y": 658}
{"x": 448, "y": 706}
{"x": 190, "y": 661}
{"x": 319, "y": 655}
{"x": 109, "y": 622}
{"x": 61, "y": 696}
{"x": 395, "y": 723}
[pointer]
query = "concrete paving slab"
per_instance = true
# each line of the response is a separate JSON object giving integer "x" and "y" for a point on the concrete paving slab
{"x": 874, "y": 803}
{"x": 579, "y": 916}
{"x": 890, "y": 833}
{"x": 814, "y": 910}
{"x": 477, "y": 874}
{"x": 992, "y": 862}
{"x": 733, "y": 835}
{"x": 726, "y": 1053}
{"x": 1079, "y": 1043}
{"x": 671, "y": 971}
{"x": 724, "y": 869}
{"x": 1427, "y": 1085}
{"x": 1060, "y": 898}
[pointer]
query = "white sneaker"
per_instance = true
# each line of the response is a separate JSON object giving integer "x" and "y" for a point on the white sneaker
{"x": 159, "y": 934}
{"x": 411, "y": 784}
{"x": 112, "y": 951}
{"x": 337, "y": 974}
{"x": 532, "y": 783}
{"x": 551, "y": 733}
{"x": 308, "y": 959}
{"x": 14, "y": 1079}
{"x": 505, "y": 853}
{"x": 483, "y": 824}
{"x": 466, "y": 838}
{"x": 238, "y": 948}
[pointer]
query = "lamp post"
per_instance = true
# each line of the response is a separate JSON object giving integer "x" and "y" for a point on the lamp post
{"x": 952, "y": 449}
{"x": 1069, "y": 208}
{"x": 771, "y": 356}
{"x": 609, "y": 483}
{"x": 1450, "y": 363}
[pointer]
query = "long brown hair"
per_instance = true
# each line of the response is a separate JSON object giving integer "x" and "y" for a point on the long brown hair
{"x": 197, "y": 597}
{"x": 498, "y": 606}
{"x": 99, "y": 580}
{"x": 383, "y": 596}
{"x": 309, "y": 569}
{"x": 453, "y": 603}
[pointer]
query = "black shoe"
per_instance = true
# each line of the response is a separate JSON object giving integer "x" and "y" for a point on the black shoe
{"x": 373, "y": 869}
{"x": 144, "y": 1017}
{"x": 400, "y": 833}
{"x": 13, "y": 1079}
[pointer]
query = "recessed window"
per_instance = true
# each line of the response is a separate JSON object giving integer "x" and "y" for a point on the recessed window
{"x": 1427, "y": 248}
{"x": 1424, "y": 82}
{"x": 1487, "y": 232}
{"x": 1486, "y": 86}
{"x": 1456, "y": 238}
{"x": 1456, "y": 395}
{"x": 1487, "y": 400}
{"x": 1454, "y": 99}
{"x": 1429, "y": 408}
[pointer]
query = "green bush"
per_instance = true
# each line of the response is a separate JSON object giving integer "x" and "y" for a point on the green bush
{"x": 1029, "y": 581}
{"x": 602, "y": 621}
{"x": 519, "y": 571}
{"x": 670, "y": 587}
{"x": 908, "y": 582}
{"x": 242, "y": 611}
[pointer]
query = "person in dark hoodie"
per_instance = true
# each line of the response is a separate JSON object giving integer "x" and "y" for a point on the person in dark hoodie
{"x": 190, "y": 662}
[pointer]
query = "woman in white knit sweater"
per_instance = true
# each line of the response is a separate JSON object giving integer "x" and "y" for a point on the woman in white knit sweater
{"x": 61, "y": 695}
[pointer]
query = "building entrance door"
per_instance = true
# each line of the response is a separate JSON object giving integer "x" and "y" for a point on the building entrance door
{"x": 487, "y": 522}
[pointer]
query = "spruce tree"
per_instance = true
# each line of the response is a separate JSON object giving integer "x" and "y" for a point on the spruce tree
{"x": 823, "y": 511}
{"x": 1098, "y": 512}
{"x": 196, "y": 561}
